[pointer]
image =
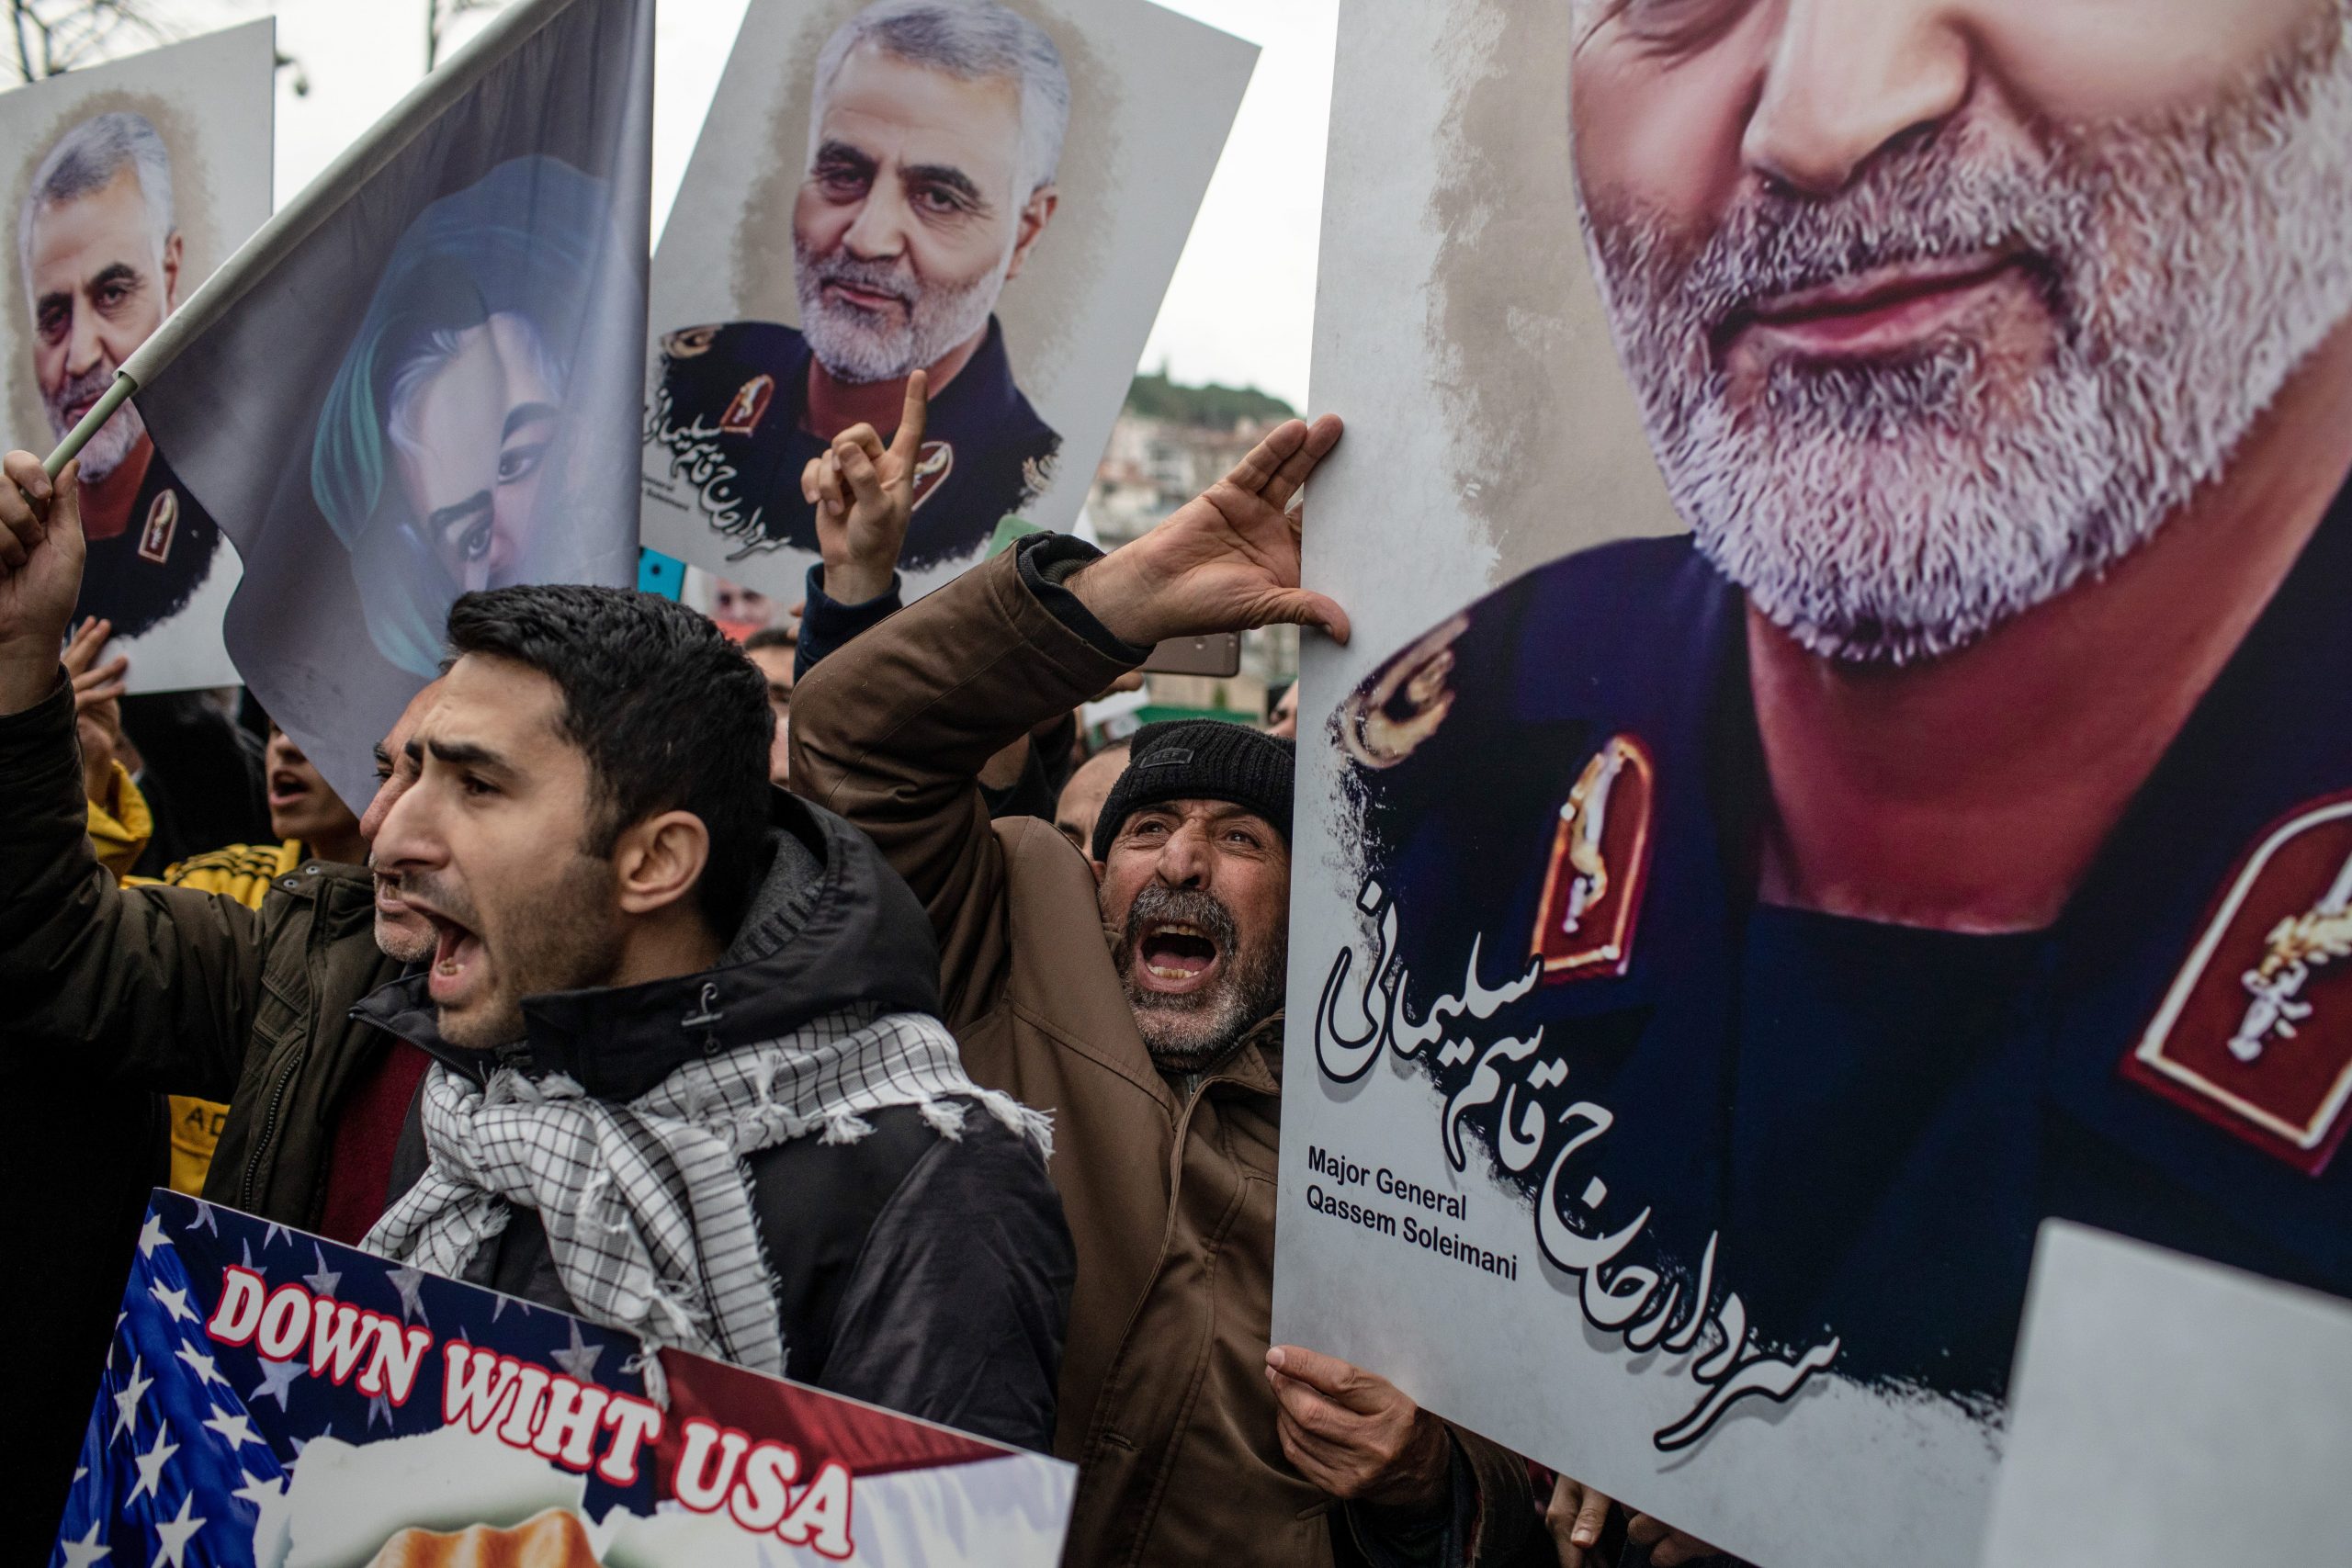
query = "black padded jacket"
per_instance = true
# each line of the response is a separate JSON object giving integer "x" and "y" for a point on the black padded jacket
{"x": 924, "y": 1273}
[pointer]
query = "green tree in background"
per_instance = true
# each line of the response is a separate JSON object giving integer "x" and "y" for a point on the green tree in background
{"x": 1209, "y": 407}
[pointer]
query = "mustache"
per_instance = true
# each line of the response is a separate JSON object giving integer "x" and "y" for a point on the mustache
{"x": 1948, "y": 196}
{"x": 874, "y": 277}
{"x": 89, "y": 386}
{"x": 438, "y": 894}
{"x": 1157, "y": 904}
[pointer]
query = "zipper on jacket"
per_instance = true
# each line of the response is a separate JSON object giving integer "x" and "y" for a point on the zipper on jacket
{"x": 246, "y": 1196}
{"x": 268, "y": 1132}
{"x": 1199, "y": 1083}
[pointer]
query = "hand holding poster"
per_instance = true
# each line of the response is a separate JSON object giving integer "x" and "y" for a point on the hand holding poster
{"x": 993, "y": 194}
{"x": 276, "y": 1400}
{"x": 137, "y": 178}
{"x": 1734, "y": 943}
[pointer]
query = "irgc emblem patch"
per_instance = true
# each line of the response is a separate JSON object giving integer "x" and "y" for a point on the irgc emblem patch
{"x": 2256, "y": 1033}
{"x": 933, "y": 463}
{"x": 163, "y": 521}
{"x": 748, "y": 406}
{"x": 1600, "y": 856}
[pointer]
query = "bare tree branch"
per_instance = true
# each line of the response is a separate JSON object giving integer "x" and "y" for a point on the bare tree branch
{"x": 54, "y": 36}
{"x": 60, "y": 35}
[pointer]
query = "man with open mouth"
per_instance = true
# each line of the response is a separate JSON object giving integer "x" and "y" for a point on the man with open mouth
{"x": 1857, "y": 854}
{"x": 687, "y": 1080}
{"x": 1133, "y": 981}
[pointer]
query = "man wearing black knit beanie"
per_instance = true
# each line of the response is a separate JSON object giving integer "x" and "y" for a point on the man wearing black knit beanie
{"x": 1136, "y": 989}
{"x": 1201, "y": 964}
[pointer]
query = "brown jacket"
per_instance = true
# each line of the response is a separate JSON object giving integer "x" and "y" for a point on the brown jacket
{"x": 1165, "y": 1404}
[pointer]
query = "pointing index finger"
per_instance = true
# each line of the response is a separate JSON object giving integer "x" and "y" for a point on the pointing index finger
{"x": 916, "y": 416}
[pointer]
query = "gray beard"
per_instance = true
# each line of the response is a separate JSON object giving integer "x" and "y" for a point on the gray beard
{"x": 862, "y": 347}
{"x": 1895, "y": 510}
{"x": 111, "y": 446}
{"x": 1193, "y": 1032}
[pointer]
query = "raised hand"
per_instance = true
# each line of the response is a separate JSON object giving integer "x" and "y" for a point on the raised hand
{"x": 41, "y": 575}
{"x": 1224, "y": 562}
{"x": 864, "y": 497}
{"x": 98, "y": 704}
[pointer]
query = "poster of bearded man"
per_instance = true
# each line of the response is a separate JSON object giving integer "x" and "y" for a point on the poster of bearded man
{"x": 130, "y": 181}
{"x": 994, "y": 192}
{"x": 1845, "y": 753}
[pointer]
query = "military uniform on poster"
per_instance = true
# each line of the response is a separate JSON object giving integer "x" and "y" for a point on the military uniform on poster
{"x": 1855, "y": 1128}
{"x": 730, "y": 416}
{"x": 146, "y": 572}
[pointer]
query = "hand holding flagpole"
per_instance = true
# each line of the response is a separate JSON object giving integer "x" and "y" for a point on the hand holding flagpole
{"x": 40, "y": 577}
{"x": 92, "y": 423}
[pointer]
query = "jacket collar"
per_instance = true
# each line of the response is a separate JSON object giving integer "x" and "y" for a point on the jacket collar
{"x": 1257, "y": 1063}
{"x": 846, "y": 934}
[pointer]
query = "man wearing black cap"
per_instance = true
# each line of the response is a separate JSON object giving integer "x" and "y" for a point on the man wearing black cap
{"x": 1137, "y": 991}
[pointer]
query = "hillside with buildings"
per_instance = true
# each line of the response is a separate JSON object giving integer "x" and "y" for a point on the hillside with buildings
{"x": 1171, "y": 442}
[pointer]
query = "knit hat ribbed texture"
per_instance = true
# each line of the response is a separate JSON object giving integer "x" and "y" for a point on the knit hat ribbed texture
{"x": 1201, "y": 758}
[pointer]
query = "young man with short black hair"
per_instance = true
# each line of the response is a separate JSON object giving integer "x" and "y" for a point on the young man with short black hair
{"x": 686, "y": 1081}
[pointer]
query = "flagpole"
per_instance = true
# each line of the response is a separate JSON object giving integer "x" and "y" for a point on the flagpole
{"x": 79, "y": 436}
{"x": 300, "y": 218}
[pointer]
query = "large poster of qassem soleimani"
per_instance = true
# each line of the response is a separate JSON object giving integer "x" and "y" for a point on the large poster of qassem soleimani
{"x": 1841, "y": 758}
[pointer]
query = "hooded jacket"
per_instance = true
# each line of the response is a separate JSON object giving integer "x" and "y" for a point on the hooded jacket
{"x": 923, "y": 1269}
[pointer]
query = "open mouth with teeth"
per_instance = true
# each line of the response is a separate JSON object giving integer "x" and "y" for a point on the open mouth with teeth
{"x": 1174, "y": 957}
{"x": 457, "y": 959}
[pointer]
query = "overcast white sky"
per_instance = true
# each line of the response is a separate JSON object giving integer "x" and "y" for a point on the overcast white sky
{"x": 1241, "y": 307}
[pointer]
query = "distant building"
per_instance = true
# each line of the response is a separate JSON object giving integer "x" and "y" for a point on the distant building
{"x": 1170, "y": 443}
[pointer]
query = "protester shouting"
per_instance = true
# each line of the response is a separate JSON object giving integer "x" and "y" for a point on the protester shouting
{"x": 688, "y": 1080}
{"x": 163, "y": 989}
{"x": 1160, "y": 1048}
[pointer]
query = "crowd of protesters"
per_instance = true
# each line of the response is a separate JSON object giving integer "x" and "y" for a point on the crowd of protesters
{"x": 962, "y": 1054}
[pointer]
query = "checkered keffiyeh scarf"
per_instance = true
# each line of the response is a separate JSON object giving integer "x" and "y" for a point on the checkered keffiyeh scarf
{"x": 648, "y": 1204}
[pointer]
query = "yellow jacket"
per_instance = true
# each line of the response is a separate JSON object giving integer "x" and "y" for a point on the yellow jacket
{"x": 241, "y": 872}
{"x": 120, "y": 828}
